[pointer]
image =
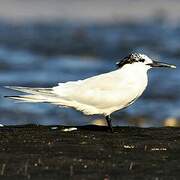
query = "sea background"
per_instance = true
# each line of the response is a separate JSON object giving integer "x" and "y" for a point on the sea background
{"x": 46, "y": 42}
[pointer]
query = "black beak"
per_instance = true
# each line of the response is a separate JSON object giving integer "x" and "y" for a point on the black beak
{"x": 161, "y": 64}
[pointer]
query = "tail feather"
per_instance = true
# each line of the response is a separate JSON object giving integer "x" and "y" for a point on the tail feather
{"x": 28, "y": 98}
{"x": 46, "y": 95}
{"x": 30, "y": 90}
{"x": 38, "y": 95}
{"x": 34, "y": 94}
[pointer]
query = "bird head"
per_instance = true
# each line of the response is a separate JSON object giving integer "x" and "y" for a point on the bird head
{"x": 142, "y": 60}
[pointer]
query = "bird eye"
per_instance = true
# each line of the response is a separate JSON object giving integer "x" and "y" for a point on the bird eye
{"x": 141, "y": 60}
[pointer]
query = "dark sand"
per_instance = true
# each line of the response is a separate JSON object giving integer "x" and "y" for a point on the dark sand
{"x": 36, "y": 152}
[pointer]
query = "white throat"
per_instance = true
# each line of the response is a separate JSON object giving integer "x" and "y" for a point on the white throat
{"x": 136, "y": 67}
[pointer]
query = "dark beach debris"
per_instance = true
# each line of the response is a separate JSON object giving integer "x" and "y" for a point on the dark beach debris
{"x": 90, "y": 152}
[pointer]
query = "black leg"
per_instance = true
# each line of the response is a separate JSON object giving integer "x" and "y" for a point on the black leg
{"x": 108, "y": 119}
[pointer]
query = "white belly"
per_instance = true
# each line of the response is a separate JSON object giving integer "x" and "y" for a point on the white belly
{"x": 126, "y": 94}
{"x": 105, "y": 93}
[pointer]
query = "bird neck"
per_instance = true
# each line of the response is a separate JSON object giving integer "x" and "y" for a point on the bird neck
{"x": 136, "y": 75}
{"x": 138, "y": 68}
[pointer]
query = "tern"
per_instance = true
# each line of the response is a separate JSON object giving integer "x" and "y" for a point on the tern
{"x": 102, "y": 94}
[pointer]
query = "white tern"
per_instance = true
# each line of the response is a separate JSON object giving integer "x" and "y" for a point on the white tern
{"x": 102, "y": 94}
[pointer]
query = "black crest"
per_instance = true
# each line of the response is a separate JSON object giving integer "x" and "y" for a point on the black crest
{"x": 135, "y": 57}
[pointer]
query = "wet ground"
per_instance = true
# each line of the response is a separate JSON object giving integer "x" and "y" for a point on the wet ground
{"x": 36, "y": 152}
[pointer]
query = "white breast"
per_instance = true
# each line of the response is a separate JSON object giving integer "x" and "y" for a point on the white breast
{"x": 105, "y": 93}
{"x": 131, "y": 86}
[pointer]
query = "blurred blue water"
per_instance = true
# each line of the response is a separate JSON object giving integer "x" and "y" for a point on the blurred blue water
{"x": 41, "y": 55}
